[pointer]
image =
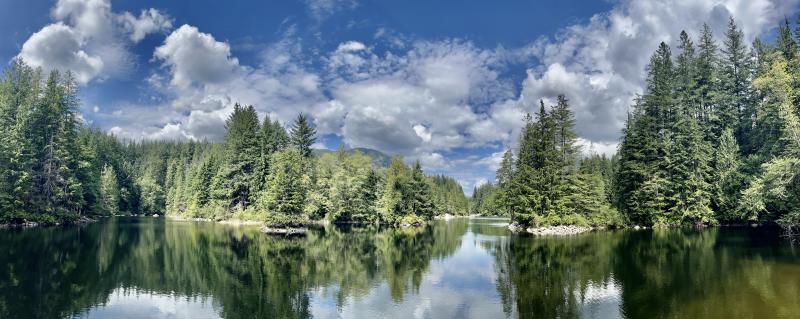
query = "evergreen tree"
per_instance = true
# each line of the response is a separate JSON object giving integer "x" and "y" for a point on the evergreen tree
{"x": 736, "y": 109}
{"x": 364, "y": 204}
{"x": 644, "y": 147}
{"x": 785, "y": 42}
{"x": 421, "y": 198}
{"x": 727, "y": 176}
{"x": 392, "y": 202}
{"x": 109, "y": 190}
{"x": 565, "y": 136}
{"x": 233, "y": 186}
{"x": 707, "y": 85}
{"x": 686, "y": 74}
{"x": 505, "y": 176}
{"x": 285, "y": 195}
{"x": 688, "y": 167}
{"x": 272, "y": 138}
{"x": 303, "y": 135}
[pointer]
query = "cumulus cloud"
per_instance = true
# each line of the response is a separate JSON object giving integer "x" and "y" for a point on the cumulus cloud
{"x": 446, "y": 103}
{"x": 599, "y": 65}
{"x": 419, "y": 101}
{"x": 196, "y": 57}
{"x": 149, "y": 21}
{"x": 89, "y": 39}
{"x": 59, "y": 46}
{"x": 201, "y": 80}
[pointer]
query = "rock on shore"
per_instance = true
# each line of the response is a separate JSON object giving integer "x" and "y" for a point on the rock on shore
{"x": 560, "y": 230}
{"x": 284, "y": 231}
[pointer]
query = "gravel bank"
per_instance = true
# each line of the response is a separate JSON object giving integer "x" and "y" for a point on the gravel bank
{"x": 560, "y": 230}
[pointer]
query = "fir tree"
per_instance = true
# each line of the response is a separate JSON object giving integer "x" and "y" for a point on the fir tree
{"x": 421, "y": 197}
{"x": 109, "y": 190}
{"x": 707, "y": 85}
{"x": 785, "y": 42}
{"x": 688, "y": 190}
{"x": 727, "y": 176}
{"x": 392, "y": 204}
{"x": 736, "y": 109}
{"x": 234, "y": 184}
{"x": 505, "y": 176}
{"x": 303, "y": 135}
{"x": 285, "y": 195}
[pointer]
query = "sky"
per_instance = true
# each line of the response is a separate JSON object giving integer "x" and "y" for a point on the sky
{"x": 444, "y": 82}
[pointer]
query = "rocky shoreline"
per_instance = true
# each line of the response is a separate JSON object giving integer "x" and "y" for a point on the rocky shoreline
{"x": 284, "y": 231}
{"x": 83, "y": 220}
{"x": 559, "y": 230}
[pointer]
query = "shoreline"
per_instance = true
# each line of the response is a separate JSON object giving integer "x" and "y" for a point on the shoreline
{"x": 81, "y": 221}
{"x": 556, "y": 230}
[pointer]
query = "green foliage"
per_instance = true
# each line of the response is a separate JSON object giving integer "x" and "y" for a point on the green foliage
{"x": 285, "y": 195}
{"x": 484, "y": 200}
{"x": 505, "y": 178}
{"x": 727, "y": 177}
{"x": 234, "y": 185}
{"x": 546, "y": 185}
{"x": 407, "y": 195}
{"x": 718, "y": 138}
{"x": 448, "y": 196}
{"x": 302, "y": 135}
{"x": 109, "y": 190}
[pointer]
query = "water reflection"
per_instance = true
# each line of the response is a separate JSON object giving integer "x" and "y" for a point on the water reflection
{"x": 713, "y": 273}
{"x": 148, "y": 267}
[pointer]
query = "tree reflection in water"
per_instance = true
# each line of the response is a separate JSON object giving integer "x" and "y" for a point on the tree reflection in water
{"x": 461, "y": 268}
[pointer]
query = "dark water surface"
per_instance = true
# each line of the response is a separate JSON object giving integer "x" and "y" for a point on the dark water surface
{"x": 463, "y": 268}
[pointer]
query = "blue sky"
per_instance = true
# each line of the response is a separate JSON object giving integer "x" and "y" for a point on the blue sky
{"x": 443, "y": 82}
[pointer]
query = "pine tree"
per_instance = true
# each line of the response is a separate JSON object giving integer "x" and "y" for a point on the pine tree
{"x": 285, "y": 195}
{"x": 392, "y": 204}
{"x": 505, "y": 176}
{"x": 686, "y": 74}
{"x": 272, "y": 138}
{"x": 565, "y": 136}
{"x": 643, "y": 151}
{"x": 688, "y": 190}
{"x": 303, "y": 135}
{"x": 421, "y": 198}
{"x": 785, "y": 42}
{"x": 706, "y": 85}
{"x": 364, "y": 203}
{"x": 234, "y": 184}
{"x": 727, "y": 176}
{"x": 736, "y": 108}
{"x": 109, "y": 190}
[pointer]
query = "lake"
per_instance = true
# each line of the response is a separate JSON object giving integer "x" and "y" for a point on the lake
{"x": 143, "y": 267}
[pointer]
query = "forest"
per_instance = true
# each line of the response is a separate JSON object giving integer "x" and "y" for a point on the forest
{"x": 58, "y": 170}
{"x": 713, "y": 139}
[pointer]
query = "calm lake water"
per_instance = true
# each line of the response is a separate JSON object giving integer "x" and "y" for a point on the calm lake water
{"x": 463, "y": 268}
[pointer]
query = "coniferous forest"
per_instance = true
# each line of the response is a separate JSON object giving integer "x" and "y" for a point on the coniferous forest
{"x": 714, "y": 139}
{"x": 56, "y": 170}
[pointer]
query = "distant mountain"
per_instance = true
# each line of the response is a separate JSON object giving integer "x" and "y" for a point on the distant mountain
{"x": 379, "y": 158}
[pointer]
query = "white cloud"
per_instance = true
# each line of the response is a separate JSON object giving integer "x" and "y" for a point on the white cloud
{"x": 149, "y": 21}
{"x": 57, "y": 46}
{"x": 600, "y": 148}
{"x": 351, "y": 46}
{"x": 599, "y": 65}
{"x": 89, "y": 39}
{"x": 322, "y": 9}
{"x": 196, "y": 57}
{"x": 433, "y": 100}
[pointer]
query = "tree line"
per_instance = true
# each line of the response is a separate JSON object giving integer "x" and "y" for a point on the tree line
{"x": 715, "y": 138}
{"x": 56, "y": 170}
